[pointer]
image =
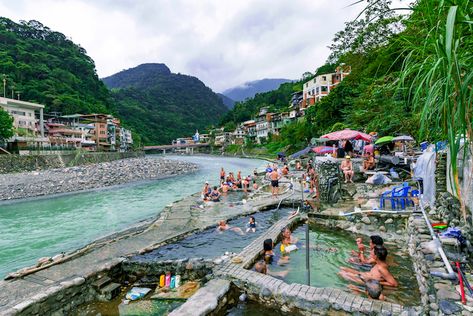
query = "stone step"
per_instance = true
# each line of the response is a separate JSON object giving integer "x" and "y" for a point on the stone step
{"x": 111, "y": 291}
{"x": 100, "y": 283}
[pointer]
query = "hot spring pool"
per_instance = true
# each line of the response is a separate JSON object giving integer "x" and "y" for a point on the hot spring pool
{"x": 210, "y": 243}
{"x": 325, "y": 264}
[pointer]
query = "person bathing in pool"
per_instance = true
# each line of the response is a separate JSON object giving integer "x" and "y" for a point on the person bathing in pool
{"x": 251, "y": 225}
{"x": 286, "y": 234}
{"x": 379, "y": 271}
{"x": 372, "y": 288}
{"x": 262, "y": 267}
{"x": 223, "y": 226}
{"x": 359, "y": 256}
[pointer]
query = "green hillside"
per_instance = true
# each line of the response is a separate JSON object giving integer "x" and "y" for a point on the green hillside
{"x": 46, "y": 67}
{"x": 161, "y": 105}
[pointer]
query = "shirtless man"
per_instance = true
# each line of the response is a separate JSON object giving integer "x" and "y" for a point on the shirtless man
{"x": 379, "y": 272}
{"x": 368, "y": 163}
{"x": 223, "y": 226}
{"x": 274, "y": 176}
{"x": 206, "y": 191}
{"x": 347, "y": 168}
{"x": 285, "y": 170}
{"x": 222, "y": 176}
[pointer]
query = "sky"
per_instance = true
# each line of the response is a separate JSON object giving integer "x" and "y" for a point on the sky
{"x": 224, "y": 43}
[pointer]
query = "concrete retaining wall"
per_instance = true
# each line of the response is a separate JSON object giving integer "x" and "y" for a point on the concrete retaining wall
{"x": 20, "y": 163}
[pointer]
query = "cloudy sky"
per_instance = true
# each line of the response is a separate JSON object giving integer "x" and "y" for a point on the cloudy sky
{"x": 222, "y": 42}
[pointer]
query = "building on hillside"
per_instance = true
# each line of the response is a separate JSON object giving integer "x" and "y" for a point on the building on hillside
{"x": 262, "y": 125}
{"x": 250, "y": 128}
{"x": 62, "y": 135}
{"x": 204, "y": 138}
{"x": 238, "y": 136}
{"x": 126, "y": 139}
{"x": 106, "y": 130}
{"x": 29, "y": 131}
{"x": 318, "y": 87}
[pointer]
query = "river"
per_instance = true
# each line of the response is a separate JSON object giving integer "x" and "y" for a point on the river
{"x": 48, "y": 226}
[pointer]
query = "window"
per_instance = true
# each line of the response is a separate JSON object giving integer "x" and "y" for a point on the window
{"x": 102, "y": 132}
{"x": 317, "y": 90}
{"x": 324, "y": 88}
{"x": 324, "y": 78}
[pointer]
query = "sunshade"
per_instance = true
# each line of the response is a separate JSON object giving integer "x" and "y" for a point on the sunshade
{"x": 318, "y": 140}
{"x": 403, "y": 138}
{"x": 322, "y": 150}
{"x": 304, "y": 151}
{"x": 384, "y": 140}
{"x": 347, "y": 134}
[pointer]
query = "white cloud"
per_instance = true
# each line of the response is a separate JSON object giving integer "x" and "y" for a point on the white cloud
{"x": 224, "y": 43}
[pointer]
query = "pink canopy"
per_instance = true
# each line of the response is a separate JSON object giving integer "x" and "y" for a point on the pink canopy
{"x": 322, "y": 150}
{"x": 347, "y": 134}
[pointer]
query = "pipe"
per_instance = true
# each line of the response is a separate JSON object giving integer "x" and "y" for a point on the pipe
{"x": 451, "y": 275}
{"x": 462, "y": 289}
{"x": 375, "y": 211}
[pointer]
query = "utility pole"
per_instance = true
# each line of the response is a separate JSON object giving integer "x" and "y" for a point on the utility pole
{"x": 4, "y": 85}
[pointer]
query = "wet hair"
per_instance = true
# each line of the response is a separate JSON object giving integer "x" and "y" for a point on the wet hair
{"x": 374, "y": 289}
{"x": 377, "y": 240}
{"x": 260, "y": 267}
{"x": 268, "y": 244}
{"x": 215, "y": 187}
{"x": 381, "y": 253}
{"x": 253, "y": 218}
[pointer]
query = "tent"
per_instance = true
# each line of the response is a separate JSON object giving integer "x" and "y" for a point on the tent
{"x": 347, "y": 134}
{"x": 321, "y": 150}
{"x": 302, "y": 152}
{"x": 384, "y": 140}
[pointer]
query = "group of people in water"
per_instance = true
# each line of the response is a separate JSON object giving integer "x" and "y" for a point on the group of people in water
{"x": 227, "y": 183}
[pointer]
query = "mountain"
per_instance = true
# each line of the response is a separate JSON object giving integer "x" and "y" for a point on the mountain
{"x": 161, "y": 105}
{"x": 46, "y": 67}
{"x": 250, "y": 89}
{"x": 229, "y": 103}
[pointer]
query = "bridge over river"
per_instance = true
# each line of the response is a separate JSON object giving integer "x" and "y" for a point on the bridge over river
{"x": 189, "y": 148}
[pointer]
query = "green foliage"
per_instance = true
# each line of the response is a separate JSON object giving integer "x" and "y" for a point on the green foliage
{"x": 6, "y": 125}
{"x": 46, "y": 67}
{"x": 162, "y": 106}
{"x": 276, "y": 100}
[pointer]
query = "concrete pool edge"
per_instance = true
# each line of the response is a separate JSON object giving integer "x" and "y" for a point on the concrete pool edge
{"x": 36, "y": 289}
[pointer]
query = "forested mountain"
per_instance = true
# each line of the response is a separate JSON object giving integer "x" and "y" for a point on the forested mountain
{"x": 250, "y": 89}
{"x": 229, "y": 103}
{"x": 46, "y": 67}
{"x": 161, "y": 105}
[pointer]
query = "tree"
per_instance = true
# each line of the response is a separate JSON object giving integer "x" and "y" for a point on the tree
{"x": 438, "y": 74}
{"x": 6, "y": 125}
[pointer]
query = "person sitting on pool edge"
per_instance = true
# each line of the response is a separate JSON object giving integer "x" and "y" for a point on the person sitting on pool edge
{"x": 206, "y": 191}
{"x": 378, "y": 272}
{"x": 360, "y": 258}
{"x": 347, "y": 167}
{"x": 215, "y": 195}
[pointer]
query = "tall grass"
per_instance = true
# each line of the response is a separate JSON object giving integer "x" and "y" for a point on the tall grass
{"x": 438, "y": 74}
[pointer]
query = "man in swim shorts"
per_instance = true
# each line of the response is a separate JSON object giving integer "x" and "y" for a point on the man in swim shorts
{"x": 274, "y": 176}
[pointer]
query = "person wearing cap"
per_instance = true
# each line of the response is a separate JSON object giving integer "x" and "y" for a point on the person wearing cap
{"x": 347, "y": 168}
{"x": 206, "y": 191}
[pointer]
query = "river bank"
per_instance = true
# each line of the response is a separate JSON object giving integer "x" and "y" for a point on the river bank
{"x": 87, "y": 177}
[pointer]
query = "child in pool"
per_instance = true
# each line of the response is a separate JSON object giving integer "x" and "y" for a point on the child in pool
{"x": 251, "y": 225}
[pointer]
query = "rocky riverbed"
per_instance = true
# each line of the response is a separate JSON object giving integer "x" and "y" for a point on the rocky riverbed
{"x": 63, "y": 180}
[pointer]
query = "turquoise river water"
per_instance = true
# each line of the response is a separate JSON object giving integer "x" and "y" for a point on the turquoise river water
{"x": 47, "y": 226}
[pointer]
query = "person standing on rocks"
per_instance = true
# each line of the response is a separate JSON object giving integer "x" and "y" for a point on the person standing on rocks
{"x": 222, "y": 176}
{"x": 274, "y": 176}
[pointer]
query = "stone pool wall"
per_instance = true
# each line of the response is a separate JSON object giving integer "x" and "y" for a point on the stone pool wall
{"x": 188, "y": 269}
{"x": 63, "y": 298}
{"x": 388, "y": 226}
{"x": 438, "y": 296}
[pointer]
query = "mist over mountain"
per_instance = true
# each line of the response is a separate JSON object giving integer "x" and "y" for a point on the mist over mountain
{"x": 250, "y": 89}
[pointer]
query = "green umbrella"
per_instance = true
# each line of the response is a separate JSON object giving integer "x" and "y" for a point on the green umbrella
{"x": 383, "y": 140}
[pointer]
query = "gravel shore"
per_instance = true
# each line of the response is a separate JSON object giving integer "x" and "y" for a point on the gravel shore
{"x": 87, "y": 177}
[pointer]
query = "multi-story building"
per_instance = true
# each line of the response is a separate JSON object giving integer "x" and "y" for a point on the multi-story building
{"x": 262, "y": 125}
{"x": 126, "y": 139}
{"x": 29, "y": 131}
{"x": 250, "y": 128}
{"x": 317, "y": 88}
